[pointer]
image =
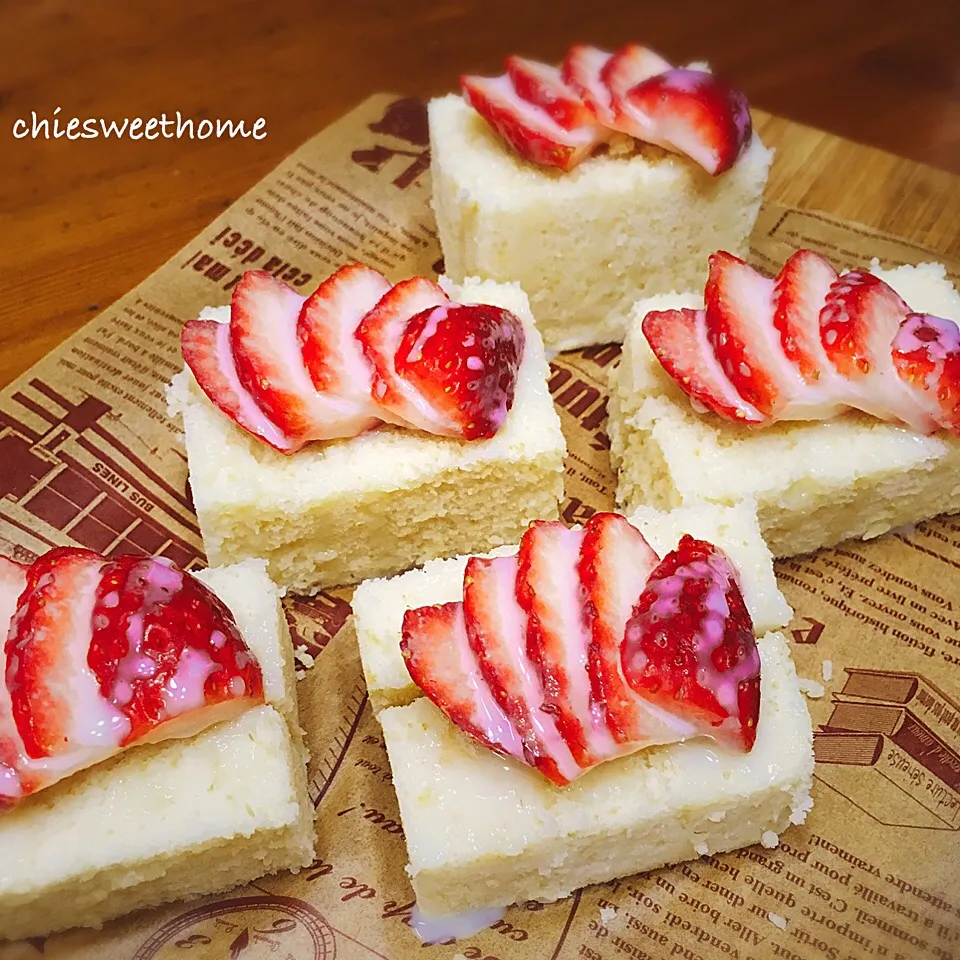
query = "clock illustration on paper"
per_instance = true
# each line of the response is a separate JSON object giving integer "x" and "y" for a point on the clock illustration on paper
{"x": 245, "y": 928}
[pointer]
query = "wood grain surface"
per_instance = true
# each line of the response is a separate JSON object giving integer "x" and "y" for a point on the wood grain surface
{"x": 83, "y": 221}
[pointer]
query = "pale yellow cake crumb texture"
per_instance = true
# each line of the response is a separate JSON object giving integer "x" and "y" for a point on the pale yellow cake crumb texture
{"x": 373, "y": 505}
{"x": 176, "y": 820}
{"x": 814, "y": 484}
{"x": 584, "y": 245}
{"x": 482, "y": 831}
{"x": 378, "y": 605}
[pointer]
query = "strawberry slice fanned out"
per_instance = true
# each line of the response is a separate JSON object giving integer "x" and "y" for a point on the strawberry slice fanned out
{"x": 626, "y": 69}
{"x": 689, "y": 645}
{"x": 582, "y": 71}
{"x": 332, "y": 355}
{"x": 380, "y": 333}
{"x": 439, "y": 659}
{"x": 548, "y": 590}
{"x": 264, "y": 313}
{"x": 463, "y": 361}
{"x": 205, "y": 345}
{"x": 497, "y": 631}
{"x": 858, "y": 322}
{"x": 926, "y": 356}
{"x": 693, "y": 112}
{"x": 529, "y": 129}
{"x": 680, "y": 342}
{"x": 543, "y": 86}
{"x": 615, "y": 563}
{"x": 104, "y": 654}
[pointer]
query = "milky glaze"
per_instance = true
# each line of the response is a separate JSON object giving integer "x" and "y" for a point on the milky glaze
{"x": 496, "y": 724}
{"x": 183, "y": 692}
{"x": 456, "y": 926}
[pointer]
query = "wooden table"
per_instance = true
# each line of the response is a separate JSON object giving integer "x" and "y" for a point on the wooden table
{"x": 83, "y": 221}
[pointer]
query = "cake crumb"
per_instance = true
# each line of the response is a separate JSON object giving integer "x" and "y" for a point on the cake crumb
{"x": 299, "y": 674}
{"x": 717, "y": 816}
{"x": 302, "y": 657}
{"x": 811, "y": 688}
{"x": 827, "y": 670}
{"x": 770, "y": 839}
{"x": 607, "y": 913}
{"x": 777, "y": 920}
{"x": 701, "y": 848}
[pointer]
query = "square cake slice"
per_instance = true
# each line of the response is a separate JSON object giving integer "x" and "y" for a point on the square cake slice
{"x": 378, "y": 605}
{"x": 814, "y": 484}
{"x": 584, "y": 244}
{"x": 175, "y": 820}
{"x": 342, "y": 511}
{"x": 483, "y": 833}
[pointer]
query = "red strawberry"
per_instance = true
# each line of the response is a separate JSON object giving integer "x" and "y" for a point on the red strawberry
{"x": 615, "y": 561}
{"x": 628, "y": 67}
{"x": 858, "y": 322}
{"x": 266, "y": 353}
{"x": 549, "y": 592}
{"x": 205, "y": 345}
{"x": 801, "y": 288}
{"x": 439, "y": 659}
{"x": 380, "y": 333}
{"x": 581, "y": 71}
{"x": 496, "y": 629}
{"x": 326, "y": 329}
{"x": 689, "y": 645}
{"x": 694, "y": 113}
{"x": 926, "y": 355}
{"x": 105, "y": 653}
{"x": 542, "y": 85}
{"x": 49, "y": 683}
{"x": 739, "y": 317}
{"x": 166, "y": 651}
{"x": 464, "y": 362}
{"x": 679, "y": 340}
{"x": 528, "y": 129}
{"x": 13, "y": 580}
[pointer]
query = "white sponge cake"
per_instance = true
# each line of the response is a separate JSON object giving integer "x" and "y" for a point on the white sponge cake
{"x": 378, "y": 605}
{"x": 586, "y": 244}
{"x": 814, "y": 484}
{"x": 343, "y": 511}
{"x": 176, "y": 820}
{"x": 481, "y": 832}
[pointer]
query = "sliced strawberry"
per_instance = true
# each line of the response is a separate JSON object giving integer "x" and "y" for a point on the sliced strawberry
{"x": 858, "y": 323}
{"x": 528, "y": 129}
{"x": 801, "y": 289}
{"x": 46, "y": 650}
{"x": 542, "y": 85}
{"x": 615, "y": 562}
{"x": 582, "y": 71}
{"x": 167, "y": 652}
{"x": 464, "y": 362}
{"x": 326, "y": 329}
{"x": 205, "y": 345}
{"x": 689, "y": 645}
{"x": 549, "y": 592}
{"x": 679, "y": 340}
{"x": 13, "y": 581}
{"x": 693, "y": 112}
{"x": 439, "y": 659}
{"x": 266, "y": 352}
{"x": 739, "y": 318}
{"x": 926, "y": 356}
{"x": 380, "y": 333}
{"x": 628, "y": 67}
{"x": 496, "y": 629}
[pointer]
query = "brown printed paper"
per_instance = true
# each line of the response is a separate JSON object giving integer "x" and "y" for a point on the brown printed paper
{"x": 89, "y": 457}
